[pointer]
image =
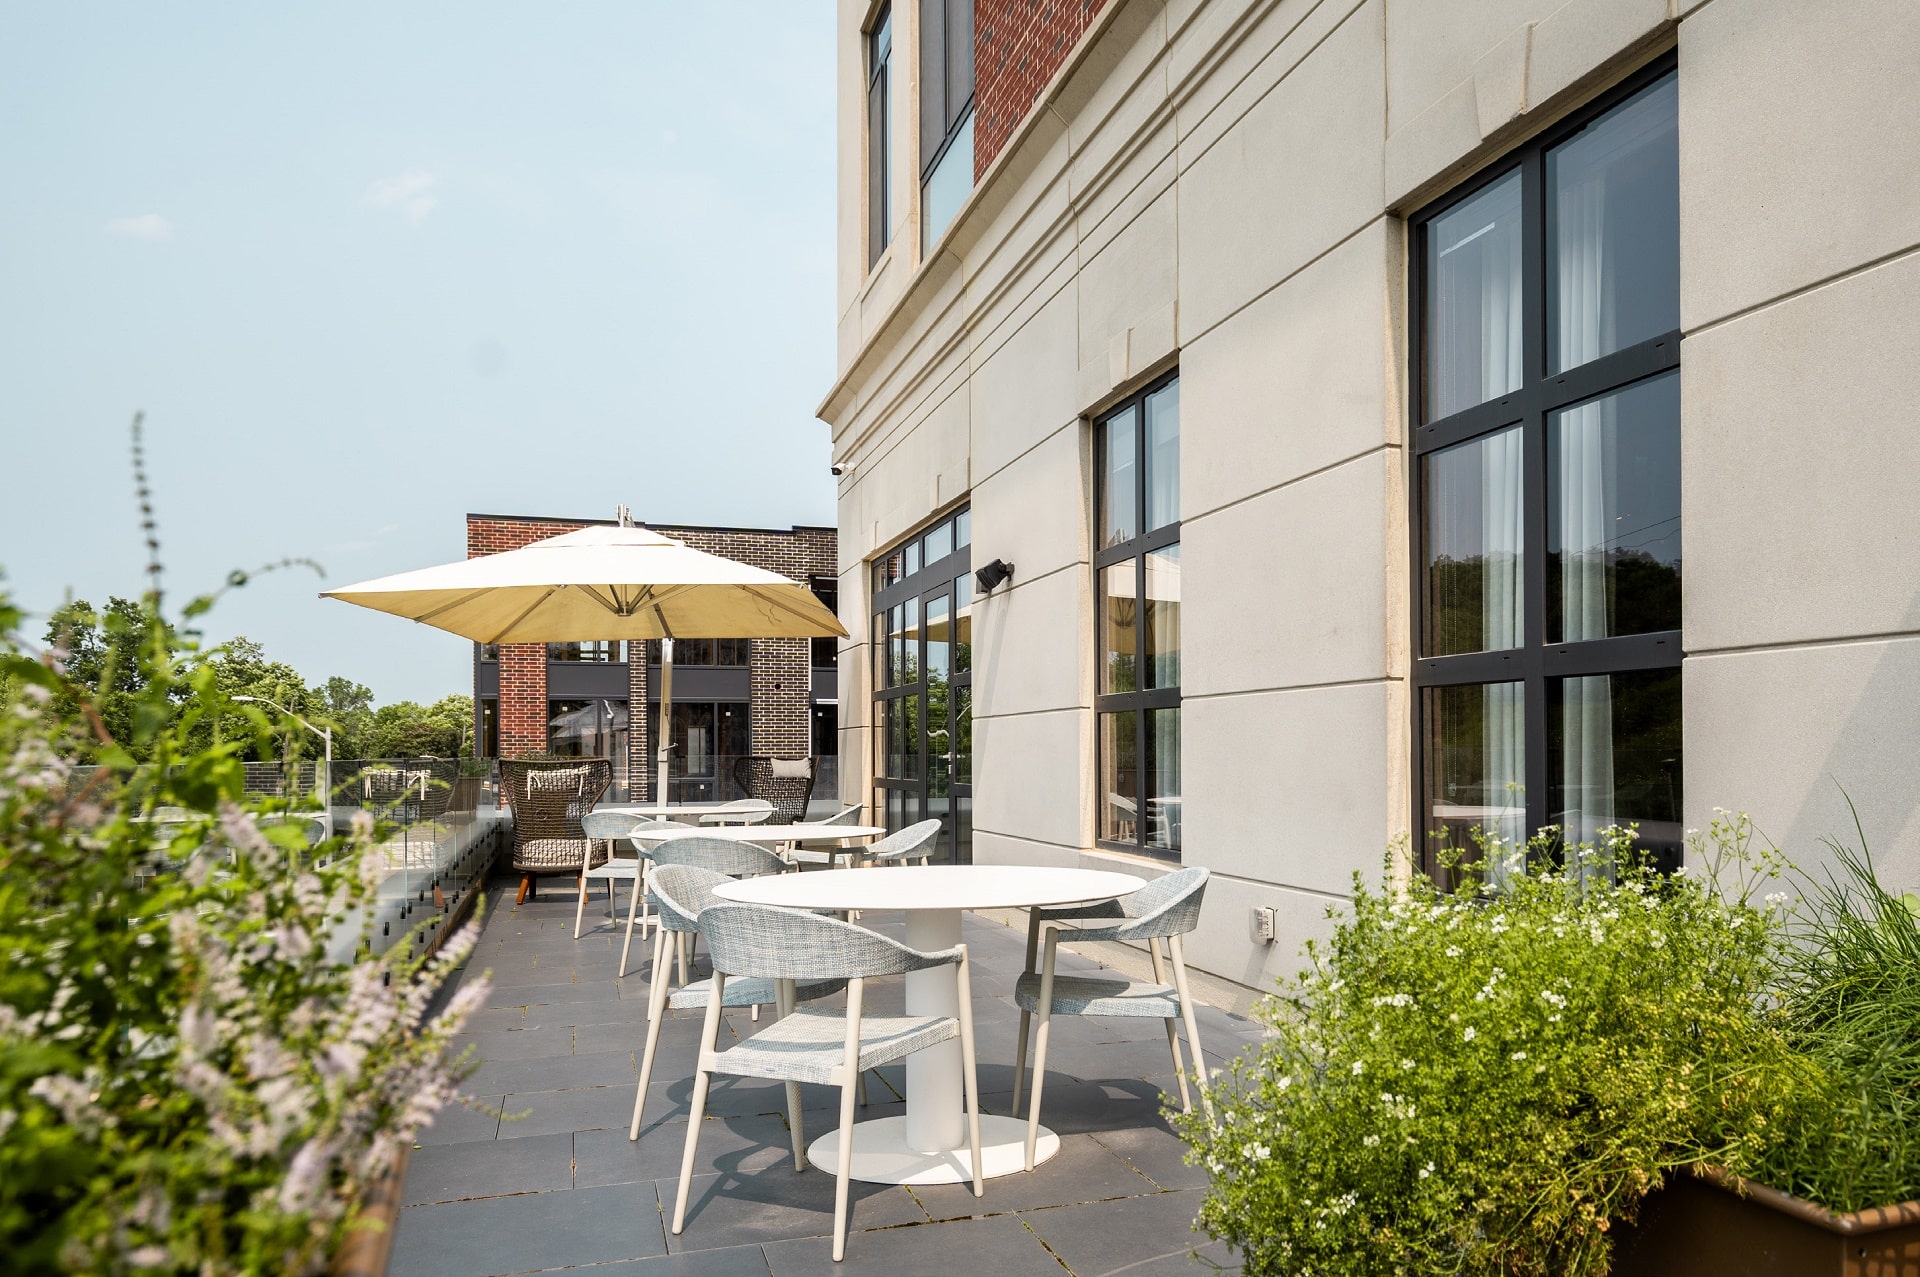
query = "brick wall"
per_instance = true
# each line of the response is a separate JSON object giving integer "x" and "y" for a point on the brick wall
{"x": 1017, "y": 46}
{"x": 780, "y": 674}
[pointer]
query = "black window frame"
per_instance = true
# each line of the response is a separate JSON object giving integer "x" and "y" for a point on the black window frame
{"x": 1537, "y": 664}
{"x": 879, "y": 44}
{"x": 824, "y": 653}
{"x": 1136, "y": 548}
{"x": 953, "y": 109}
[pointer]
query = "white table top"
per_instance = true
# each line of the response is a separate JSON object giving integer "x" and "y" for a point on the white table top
{"x": 765, "y": 833}
{"x": 913, "y": 887}
{"x": 667, "y": 809}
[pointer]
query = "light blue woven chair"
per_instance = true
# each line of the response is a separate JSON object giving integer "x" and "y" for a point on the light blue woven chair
{"x": 609, "y": 827}
{"x": 810, "y": 1045}
{"x": 1159, "y": 913}
{"x": 740, "y": 811}
{"x": 718, "y": 855}
{"x": 804, "y": 856}
{"x": 915, "y": 842}
{"x": 682, "y": 891}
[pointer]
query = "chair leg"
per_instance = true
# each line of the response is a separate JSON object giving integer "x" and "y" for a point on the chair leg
{"x": 526, "y": 881}
{"x": 1026, "y": 1017}
{"x": 863, "y": 1090}
{"x": 580, "y": 910}
{"x": 1173, "y": 1039}
{"x": 656, "y": 1012}
{"x": 659, "y": 964}
{"x": 1178, "y": 950}
{"x": 963, "y": 976}
{"x": 1040, "y": 1045}
{"x": 844, "y": 1171}
{"x": 680, "y": 954}
{"x": 784, "y": 1008}
{"x": 702, "y": 1076}
{"x": 633, "y": 903}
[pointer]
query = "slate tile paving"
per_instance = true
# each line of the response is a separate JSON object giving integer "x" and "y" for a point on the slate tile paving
{"x": 559, "y": 1187}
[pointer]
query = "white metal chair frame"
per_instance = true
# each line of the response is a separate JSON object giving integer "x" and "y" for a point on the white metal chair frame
{"x": 682, "y": 891}
{"x": 1162, "y": 912}
{"x": 610, "y": 827}
{"x": 806, "y": 1045}
{"x": 741, "y": 811}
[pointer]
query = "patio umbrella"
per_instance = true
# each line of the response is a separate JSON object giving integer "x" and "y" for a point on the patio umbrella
{"x": 602, "y": 582}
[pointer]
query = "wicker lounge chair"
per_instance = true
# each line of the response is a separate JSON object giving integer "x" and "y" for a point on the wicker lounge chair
{"x": 787, "y": 783}
{"x": 548, "y": 800}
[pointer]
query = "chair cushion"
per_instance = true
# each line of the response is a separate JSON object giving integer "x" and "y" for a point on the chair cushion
{"x": 1099, "y": 995}
{"x": 555, "y": 853}
{"x": 811, "y": 1046}
{"x": 791, "y": 768}
{"x": 748, "y": 991}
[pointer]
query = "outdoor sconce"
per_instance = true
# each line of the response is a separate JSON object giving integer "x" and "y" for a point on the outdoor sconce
{"x": 993, "y": 574}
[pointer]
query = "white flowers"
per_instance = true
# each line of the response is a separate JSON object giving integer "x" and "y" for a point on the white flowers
{"x": 1453, "y": 951}
{"x": 1359, "y": 1067}
{"x": 1469, "y": 1035}
{"x": 1394, "y": 1000}
{"x": 1406, "y": 1066}
{"x": 1370, "y": 1140}
{"x": 1518, "y": 1055}
{"x": 1426, "y": 1170}
{"x": 1548, "y": 995}
{"x": 1256, "y": 1152}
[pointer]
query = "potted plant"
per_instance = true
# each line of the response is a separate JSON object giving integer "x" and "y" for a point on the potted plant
{"x": 1495, "y": 1079}
{"x": 201, "y": 1070}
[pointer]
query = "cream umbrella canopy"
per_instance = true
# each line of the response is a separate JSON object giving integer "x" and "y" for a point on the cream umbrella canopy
{"x": 602, "y": 582}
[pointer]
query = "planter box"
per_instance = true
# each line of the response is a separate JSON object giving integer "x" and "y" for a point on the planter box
{"x": 368, "y": 1245}
{"x": 1713, "y": 1224}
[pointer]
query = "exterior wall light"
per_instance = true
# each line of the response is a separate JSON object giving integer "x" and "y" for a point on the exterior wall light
{"x": 993, "y": 574}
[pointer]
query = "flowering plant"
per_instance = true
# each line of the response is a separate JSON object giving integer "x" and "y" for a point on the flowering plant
{"x": 192, "y": 1079}
{"x": 1481, "y": 1081}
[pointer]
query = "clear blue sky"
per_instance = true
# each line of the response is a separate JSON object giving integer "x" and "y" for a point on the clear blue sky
{"x": 368, "y": 267}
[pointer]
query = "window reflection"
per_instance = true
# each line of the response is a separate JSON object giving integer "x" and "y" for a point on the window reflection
{"x": 1119, "y": 482}
{"x": 1163, "y": 617}
{"x": 1163, "y": 456}
{"x": 601, "y": 653}
{"x": 1475, "y": 765}
{"x": 1615, "y": 757}
{"x": 1474, "y": 300}
{"x": 590, "y": 728}
{"x": 1613, "y": 514}
{"x": 1474, "y": 538}
{"x": 1161, "y": 780}
{"x": 1613, "y": 231}
{"x": 1119, "y": 627}
{"x": 1119, "y": 777}
{"x": 963, "y": 624}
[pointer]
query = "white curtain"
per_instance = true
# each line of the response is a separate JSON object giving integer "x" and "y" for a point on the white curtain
{"x": 1502, "y": 539}
{"x": 1586, "y": 437}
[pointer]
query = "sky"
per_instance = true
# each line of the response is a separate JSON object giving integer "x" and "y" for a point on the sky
{"x": 369, "y": 267}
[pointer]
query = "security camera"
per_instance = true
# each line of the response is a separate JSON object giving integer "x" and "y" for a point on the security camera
{"x": 995, "y": 573}
{"x": 838, "y": 471}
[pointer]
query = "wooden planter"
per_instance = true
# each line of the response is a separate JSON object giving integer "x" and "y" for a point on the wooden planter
{"x": 370, "y": 1242}
{"x": 1713, "y": 1224}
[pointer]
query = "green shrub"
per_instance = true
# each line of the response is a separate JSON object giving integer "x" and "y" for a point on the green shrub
{"x": 1483, "y": 1081}
{"x": 190, "y": 1081}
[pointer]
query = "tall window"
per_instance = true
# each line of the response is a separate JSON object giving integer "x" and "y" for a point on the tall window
{"x": 1136, "y": 566}
{"x": 726, "y": 653}
{"x": 591, "y": 728}
{"x": 946, "y": 113}
{"x": 601, "y": 652}
{"x": 879, "y": 151}
{"x": 1547, "y": 506}
{"x": 923, "y": 684}
{"x": 826, "y": 651}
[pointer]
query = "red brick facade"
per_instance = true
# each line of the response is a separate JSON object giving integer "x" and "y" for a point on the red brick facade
{"x": 780, "y": 670}
{"x": 1017, "y": 46}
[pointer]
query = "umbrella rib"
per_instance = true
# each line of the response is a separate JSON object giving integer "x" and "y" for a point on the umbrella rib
{"x": 466, "y": 598}
{"x": 775, "y": 601}
{"x": 611, "y": 604}
{"x": 551, "y": 590}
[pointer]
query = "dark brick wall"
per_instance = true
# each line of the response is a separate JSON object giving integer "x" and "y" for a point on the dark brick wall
{"x": 780, "y": 673}
{"x": 1017, "y": 46}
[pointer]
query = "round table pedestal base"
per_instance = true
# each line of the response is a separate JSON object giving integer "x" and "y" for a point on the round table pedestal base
{"x": 881, "y": 1155}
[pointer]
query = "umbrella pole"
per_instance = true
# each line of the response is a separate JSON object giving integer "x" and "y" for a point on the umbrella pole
{"x": 666, "y": 711}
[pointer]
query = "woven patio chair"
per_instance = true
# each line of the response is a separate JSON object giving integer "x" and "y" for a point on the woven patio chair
{"x": 548, "y": 800}
{"x": 718, "y": 855}
{"x": 800, "y": 855}
{"x": 813, "y": 1045}
{"x": 915, "y": 842}
{"x": 787, "y": 783}
{"x": 682, "y": 892}
{"x": 741, "y": 811}
{"x": 1159, "y": 913}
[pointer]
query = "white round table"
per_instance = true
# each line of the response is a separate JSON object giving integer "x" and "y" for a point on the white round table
{"x": 929, "y": 1144}
{"x": 771, "y": 834}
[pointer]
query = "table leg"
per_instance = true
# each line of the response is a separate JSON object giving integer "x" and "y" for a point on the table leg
{"x": 928, "y": 1145}
{"x": 935, "y": 1120}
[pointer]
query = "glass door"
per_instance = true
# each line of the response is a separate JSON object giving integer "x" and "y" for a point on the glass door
{"x": 923, "y": 686}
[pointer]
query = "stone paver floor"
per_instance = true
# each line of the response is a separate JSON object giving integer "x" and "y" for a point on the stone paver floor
{"x": 557, "y": 1185}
